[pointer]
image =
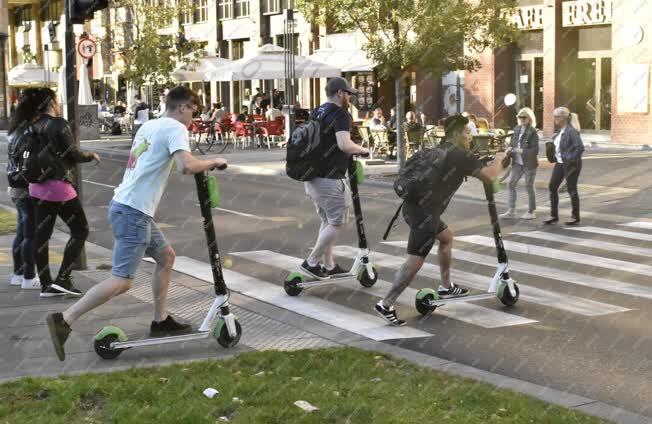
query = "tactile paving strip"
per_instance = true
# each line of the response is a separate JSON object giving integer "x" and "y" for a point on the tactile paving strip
{"x": 259, "y": 332}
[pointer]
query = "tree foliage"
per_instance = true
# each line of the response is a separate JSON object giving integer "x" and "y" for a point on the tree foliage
{"x": 428, "y": 34}
{"x": 141, "y": 34}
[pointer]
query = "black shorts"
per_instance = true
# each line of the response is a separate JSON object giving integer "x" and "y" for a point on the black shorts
{"x": 425, "y": 224}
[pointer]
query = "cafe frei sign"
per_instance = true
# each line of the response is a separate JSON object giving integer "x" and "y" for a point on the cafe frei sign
{"x": 574, "y": 13}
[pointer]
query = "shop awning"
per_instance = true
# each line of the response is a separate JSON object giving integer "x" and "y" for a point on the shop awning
{"x": 31, "y": 75}
{"x": 199, "y": 71}
{"x": 354, "y": 60}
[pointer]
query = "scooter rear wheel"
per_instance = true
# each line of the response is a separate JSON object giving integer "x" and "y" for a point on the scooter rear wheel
{"x": 365, "y": 280}
{"x": 224, "y": 338}
{"x": 292, "y": 287}
{"x": 423, "y": 305}
{"x": 505, "y": 295}
{"x": 103, "y": 347}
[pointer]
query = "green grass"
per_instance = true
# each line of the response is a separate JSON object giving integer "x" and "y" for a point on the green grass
{"x": 7, "y": 222}
{"x": 342, "y": 383}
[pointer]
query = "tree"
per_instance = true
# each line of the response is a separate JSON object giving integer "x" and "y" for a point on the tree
{"x": 141, "y": 34}
{"x": 426, "y": 34}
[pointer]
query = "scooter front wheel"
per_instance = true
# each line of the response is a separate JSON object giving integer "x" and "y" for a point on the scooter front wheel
{"x": 365, "y": 280}
{"x": 505, "y": 295}
{"x": 291, "y": 285}
{"x": 103, "y": 347}
{"x": 222, "y": 334}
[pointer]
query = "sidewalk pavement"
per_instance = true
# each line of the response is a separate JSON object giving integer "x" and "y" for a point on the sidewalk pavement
{"x": 28, "y": 350}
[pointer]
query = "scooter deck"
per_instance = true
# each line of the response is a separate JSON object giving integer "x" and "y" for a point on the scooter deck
{"x": 152, "y": 341}
{"x": 462, "y": 299}
{"x": 314, "y": 282}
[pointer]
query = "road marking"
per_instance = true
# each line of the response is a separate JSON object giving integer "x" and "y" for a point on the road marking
{"x": 562, "y": 255}
{"x": 617, "y": 233}
{"x": 551, "y": 299}
{"x": 639, "y": 224}
{"x": 466, "y": 312}
{"x": 339, "y": 316}
{"x": 596, "y": 244}
{"x": 99, "y": 184}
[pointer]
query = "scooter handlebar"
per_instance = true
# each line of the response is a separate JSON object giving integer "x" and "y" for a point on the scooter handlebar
{"x": 221, "y": 167}
{"x": 362, "y": 155}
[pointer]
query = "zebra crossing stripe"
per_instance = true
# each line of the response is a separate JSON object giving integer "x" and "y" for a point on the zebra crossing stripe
{"x": 643, "y": 225}
{"x": 462, "y": 311}
{"x": 596, "y": 244}
{"x": 562, "y": 255}
{"x": 617, "y": 233}
{"x": 576, "y": 278}
{"x": 339, "y": 316}
{"x": 564, "y": 302}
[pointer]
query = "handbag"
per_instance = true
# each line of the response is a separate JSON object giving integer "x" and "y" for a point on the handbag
{"x": 550, "y": 152}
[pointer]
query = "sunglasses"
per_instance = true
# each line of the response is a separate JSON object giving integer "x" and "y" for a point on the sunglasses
{"x": 523, "y": 117}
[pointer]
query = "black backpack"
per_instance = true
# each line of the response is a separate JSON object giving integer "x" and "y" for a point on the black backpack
{"x": 304, "y": 155}
{"x": 39, "y": 161}
{"x": 417, "y": 179}
{"x": 15, "y": 151}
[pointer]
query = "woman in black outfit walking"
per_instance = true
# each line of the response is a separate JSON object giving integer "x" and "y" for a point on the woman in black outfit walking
{"x": 57, "y": 196}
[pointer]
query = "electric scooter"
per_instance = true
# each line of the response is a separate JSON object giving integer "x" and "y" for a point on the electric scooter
{"x": 362, "y": 269}
{"x": 111, "y": 341}
{"x": 502, "y": 285}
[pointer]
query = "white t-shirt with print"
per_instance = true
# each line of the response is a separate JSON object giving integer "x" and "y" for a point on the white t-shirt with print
{"x": 150, "y": 163}
{"x": 557, "y": 142}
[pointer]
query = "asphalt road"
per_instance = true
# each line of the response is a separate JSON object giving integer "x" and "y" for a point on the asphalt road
{"x": 582, "y": 324}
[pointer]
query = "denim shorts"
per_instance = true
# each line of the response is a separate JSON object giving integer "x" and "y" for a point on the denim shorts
{"x": 134, "y": 236}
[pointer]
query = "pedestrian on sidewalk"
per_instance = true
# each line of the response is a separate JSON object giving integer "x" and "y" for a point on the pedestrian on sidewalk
{"x": 57, "y": 196}
{"x": 568, "y": 150}
{"x": 524, "y": 151}
{"x": 423, "y": 215}
{"x": 159, "y": 145}
{"x": 24, "y": 274}
{"x": 330, "y": 191}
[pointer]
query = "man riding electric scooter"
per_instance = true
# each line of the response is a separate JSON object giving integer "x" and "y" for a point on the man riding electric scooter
{"x": 157, "y": 147}
{"x": 423, "y": 214}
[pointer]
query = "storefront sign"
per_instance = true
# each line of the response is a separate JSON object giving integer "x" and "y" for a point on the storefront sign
{"x": 586, "y": 12}
{"x": 528, "y": 17}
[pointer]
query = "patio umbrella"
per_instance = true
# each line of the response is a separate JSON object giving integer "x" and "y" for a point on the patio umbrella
{"x": 198, "y": 71}
{"x": 84, "y": 96}
{"x": 31, "y": 75}
{"x": 269, "y": 63}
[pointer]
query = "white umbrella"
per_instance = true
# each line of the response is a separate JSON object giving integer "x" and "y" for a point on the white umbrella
{"x": 198, "y": 71}
{"x": 31, "y": 75}
{"x": 61, "y": 82}
{"x": 269, "y": 64}
{"x": 84, "y": 96}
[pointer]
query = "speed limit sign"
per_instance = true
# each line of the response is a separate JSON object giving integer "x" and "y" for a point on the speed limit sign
{"x": 86, "y": 48}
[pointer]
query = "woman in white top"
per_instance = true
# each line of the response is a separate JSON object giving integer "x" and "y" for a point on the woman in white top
{"x": 524, "y": 149}
{"x": 568, "y": 164}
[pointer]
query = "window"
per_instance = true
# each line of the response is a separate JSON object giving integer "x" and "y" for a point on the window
{"x": 200, "y": 11}
{"x": 23, "y": 16}
{"x": 51, "y": 10}
{"x": 241, "y": 8}
{"x": 288, "y": 4}
{"x": 226, "y": 9}
{"x": 271, "y": 6}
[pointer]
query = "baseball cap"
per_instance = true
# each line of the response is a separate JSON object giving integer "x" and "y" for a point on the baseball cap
{"x": 339, "y": 83}
{"x": 454, "y": 122}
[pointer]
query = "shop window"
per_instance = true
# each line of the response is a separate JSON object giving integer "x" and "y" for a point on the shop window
{"x": 595, "y": 39}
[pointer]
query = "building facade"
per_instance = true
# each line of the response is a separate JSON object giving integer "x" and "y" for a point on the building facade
{"x": 592, "y": 56}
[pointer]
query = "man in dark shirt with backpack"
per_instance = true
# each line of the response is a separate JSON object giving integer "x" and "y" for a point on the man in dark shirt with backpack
{"x": 423, "y": 215}
{"x": 330, "y": 190}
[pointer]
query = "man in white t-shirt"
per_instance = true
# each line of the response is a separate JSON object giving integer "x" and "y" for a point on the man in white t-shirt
{"x": 158, "y": 146}
{"x": 272, "y": 113}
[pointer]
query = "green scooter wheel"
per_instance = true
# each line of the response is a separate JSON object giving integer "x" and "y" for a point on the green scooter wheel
{"x": 103, "y": 347}
{"x": 222, "y": 334}
{"x": 423, "y": 301}
{"x": 505, "y": 295}
{"x": 291, "y": 284}
{"x": 365, "y": 280}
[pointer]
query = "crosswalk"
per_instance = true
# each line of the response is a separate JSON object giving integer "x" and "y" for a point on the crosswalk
{"x": 552, "y": 276}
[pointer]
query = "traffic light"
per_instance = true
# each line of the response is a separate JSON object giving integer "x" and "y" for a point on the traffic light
{"x": 82, "y": 10}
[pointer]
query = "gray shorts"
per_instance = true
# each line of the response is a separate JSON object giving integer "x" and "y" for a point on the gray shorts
{"x": 332, "y": 199}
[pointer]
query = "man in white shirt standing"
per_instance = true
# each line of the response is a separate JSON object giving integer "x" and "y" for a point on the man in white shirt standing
{"x": 157, "y": 147}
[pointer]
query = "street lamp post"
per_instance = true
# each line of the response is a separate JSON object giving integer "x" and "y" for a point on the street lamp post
{"x": 290, "y": 71}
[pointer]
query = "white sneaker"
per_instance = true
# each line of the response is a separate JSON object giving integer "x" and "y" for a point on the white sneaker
{"x": 510, "y": 214}
{"x": 529, "y": 215}
{"x": 16, "y": 280}
{"x": 31, "y": 283}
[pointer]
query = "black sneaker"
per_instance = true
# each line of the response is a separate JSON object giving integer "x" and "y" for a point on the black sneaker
{"x": 66, "y": 286}
{"x": 317, "y": 271}
{"x": 454, "y": 291}
{"x": 337, "y": 271}
{"x": 49, "y": 291}
{"x": 59, "y": 332}
{"x": 168, "y": 327}
{"x": 388, "y": 314}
